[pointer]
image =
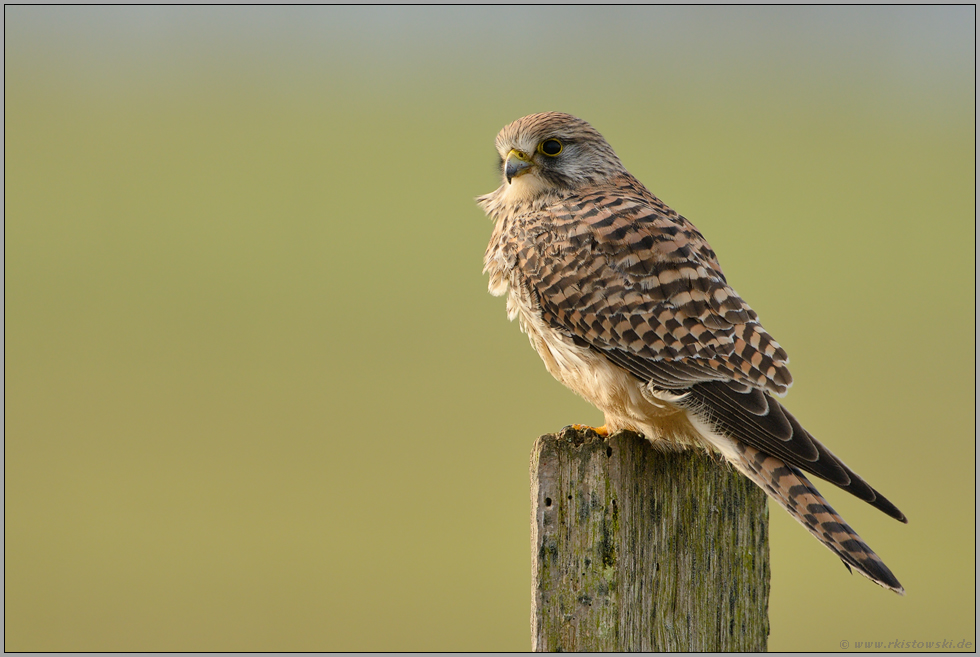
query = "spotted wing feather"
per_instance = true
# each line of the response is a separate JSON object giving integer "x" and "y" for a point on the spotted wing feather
{"x": 617, "y": 270}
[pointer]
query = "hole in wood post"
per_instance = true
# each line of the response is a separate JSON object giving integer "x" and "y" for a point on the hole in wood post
{"x": 547, "y": 501}
{"x": 608, "y": 452}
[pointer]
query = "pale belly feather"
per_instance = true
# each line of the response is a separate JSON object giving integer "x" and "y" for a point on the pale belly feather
{"x": 623, "y": 399}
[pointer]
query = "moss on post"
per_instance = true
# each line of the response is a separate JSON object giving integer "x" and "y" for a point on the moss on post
{"x": 637, "y": 549}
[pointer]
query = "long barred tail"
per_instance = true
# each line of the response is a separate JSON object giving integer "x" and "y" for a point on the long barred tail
{"x": 796, "y": 494}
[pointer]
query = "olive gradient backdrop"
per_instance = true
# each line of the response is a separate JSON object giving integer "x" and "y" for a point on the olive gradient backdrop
{"x": 257, "y": 396}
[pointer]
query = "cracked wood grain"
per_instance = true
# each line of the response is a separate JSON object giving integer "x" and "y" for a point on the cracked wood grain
{"x": 639, "y": 549}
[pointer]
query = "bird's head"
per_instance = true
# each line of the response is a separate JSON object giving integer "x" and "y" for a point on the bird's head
{"x": 551, "y": 152}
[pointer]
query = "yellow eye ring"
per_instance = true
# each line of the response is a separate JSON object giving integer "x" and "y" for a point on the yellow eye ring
{"x": 550, "y": 147}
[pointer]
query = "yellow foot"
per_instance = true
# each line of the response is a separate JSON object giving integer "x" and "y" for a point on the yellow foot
{"x": 602, "y": 431}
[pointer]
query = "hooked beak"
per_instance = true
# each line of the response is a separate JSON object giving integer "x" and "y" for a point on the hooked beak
{"x": 516, "y": 164}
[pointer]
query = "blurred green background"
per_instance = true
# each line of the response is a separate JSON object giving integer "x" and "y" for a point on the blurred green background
{"x": 258, "y": 398}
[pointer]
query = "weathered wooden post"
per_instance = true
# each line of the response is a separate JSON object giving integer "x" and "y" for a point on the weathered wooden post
{"x": 637, "y": 549}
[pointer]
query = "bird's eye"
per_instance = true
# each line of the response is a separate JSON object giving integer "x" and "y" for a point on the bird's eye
{"x": 550, "y": 147}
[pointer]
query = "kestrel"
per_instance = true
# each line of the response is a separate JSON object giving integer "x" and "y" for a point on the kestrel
{"x": 626, "y": 303}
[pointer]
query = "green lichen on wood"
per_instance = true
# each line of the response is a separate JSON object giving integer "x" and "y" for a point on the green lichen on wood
{"x": 638, "y": 549}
